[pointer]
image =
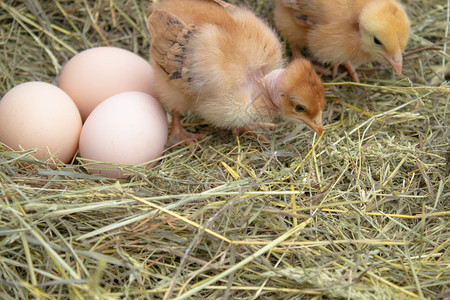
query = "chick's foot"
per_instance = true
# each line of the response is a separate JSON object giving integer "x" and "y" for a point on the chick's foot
{"x": 179, "y": 135}
{"x": 322, "y": 70}
{"x": 248, "y": 130}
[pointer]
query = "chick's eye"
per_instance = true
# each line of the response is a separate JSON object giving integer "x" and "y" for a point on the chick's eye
{"x": 299, "y": 109}
{"x": 376, "y": 41}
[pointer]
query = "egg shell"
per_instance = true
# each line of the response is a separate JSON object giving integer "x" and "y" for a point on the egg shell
{"x": 96, "y": 74}
{"x": 129, "y": 128}
{"x": 40, "y": 115}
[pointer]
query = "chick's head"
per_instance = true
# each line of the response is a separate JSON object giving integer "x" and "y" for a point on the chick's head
{"x": 384, "y": 28}
{"x": 302, "y": 94}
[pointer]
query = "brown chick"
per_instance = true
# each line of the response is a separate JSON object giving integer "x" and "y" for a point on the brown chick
{"x": 225, "y": 64}
{"x": 348, "y": 32}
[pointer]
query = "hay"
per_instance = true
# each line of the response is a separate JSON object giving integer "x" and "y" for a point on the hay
{"x": 361, "y": 213}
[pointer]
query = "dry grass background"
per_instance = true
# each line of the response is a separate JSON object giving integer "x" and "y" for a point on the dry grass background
{"x": 362, "y": 213}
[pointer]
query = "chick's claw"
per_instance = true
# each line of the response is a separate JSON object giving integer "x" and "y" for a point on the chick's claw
{"x": 180, "y": 136}
{"x": 248, "y": 130}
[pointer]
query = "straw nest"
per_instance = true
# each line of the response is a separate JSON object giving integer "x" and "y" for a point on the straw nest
{"x": 361, "y": 213}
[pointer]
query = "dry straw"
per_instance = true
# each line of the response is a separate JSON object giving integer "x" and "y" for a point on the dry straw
{"x": 360, "y": 213}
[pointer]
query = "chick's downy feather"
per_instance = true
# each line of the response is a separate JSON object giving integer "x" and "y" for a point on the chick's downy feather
{"x": 225, "y": 64}
{"x": 345, "y": 31}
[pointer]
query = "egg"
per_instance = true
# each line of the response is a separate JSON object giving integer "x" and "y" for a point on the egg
{"x": 96, "y": 74}
{"x": 42, "y": 116}
{"x": 129, "y": 128}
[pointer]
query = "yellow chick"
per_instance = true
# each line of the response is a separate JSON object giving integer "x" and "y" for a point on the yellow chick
{"x": 225, "y": 64}
{"x": 347, "y": 32}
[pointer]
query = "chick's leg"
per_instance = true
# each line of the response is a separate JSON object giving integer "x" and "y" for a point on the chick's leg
{"x": 334, "y": 70}
{"x": 351, "y": 71}
{"x": 248, "y": 130}
{"x": 295, "y": 50}
{"x": 322, "y": 70}
{"x": 178, "y": 135}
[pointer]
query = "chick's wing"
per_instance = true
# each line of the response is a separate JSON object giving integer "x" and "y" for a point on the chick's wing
{"x": 305, "y": 12}
{"x": 224, "y": 4}
{"x": 169, "y": 38}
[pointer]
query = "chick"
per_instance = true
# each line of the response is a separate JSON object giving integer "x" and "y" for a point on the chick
{"x": 347, "y": 32}
{"x": 225, "y": 64}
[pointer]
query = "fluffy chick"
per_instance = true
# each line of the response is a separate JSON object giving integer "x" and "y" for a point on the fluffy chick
{"x": 225, "y": 64}
{"x": 348, "y": 32}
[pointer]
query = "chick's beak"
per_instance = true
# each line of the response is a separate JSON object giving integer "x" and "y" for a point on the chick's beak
{"x": 396, "y": 60}
{"x": 316, "y": 124}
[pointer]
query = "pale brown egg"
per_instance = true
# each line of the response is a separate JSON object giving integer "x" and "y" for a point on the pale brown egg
{"x": 42, "y": 116}
{"x": 129, "y": 129}
{"x": 96, "y": 74}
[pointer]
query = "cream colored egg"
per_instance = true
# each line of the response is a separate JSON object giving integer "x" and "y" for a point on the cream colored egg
{"x": 129, "y": 128}
{"x": 40, "y": 115}
{"x": 96, "y": 74}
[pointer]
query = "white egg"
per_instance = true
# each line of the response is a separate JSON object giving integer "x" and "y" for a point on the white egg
{"x": 42, "y": 116}
{"x": 96, "y": 74}
{"x": 128, "y": 128}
